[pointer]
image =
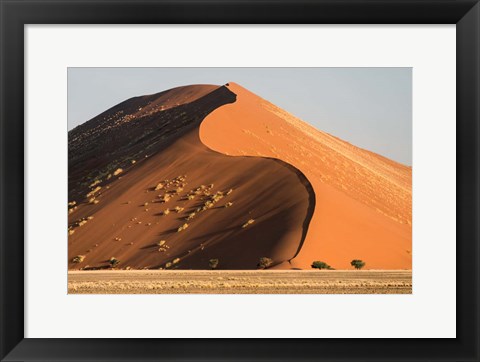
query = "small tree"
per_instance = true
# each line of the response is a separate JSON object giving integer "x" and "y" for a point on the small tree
{"x": 213, "y": 263}
{"x": 357, "y": 264}
{"x": 264, "y": 263}
{"x": 113, "y": 262}
{"x": 321, "y": 265}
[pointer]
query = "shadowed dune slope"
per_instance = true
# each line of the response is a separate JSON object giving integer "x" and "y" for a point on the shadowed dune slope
{"x": 363, "y": 200}
{"x": 136, "y": 127}
{"x": 155, "y": 142}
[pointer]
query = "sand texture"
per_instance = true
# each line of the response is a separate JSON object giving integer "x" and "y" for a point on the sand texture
{"x": 363, "y": 200}
{"x": 180, "y": 203}
{"x": 178, "y": 178}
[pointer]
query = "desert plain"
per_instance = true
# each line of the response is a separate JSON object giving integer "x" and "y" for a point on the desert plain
{"x": 240, "y": 282}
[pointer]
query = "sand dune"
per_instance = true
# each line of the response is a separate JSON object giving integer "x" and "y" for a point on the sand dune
{"x": 124, "y": 215}
{"x": 134, "y": 128}
{"x": 363, "y": 200}
{"x": 298, "y": 194}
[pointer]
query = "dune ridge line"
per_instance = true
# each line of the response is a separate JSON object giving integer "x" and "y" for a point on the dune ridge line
{"x": 124, "y": 152}
{"x": 364, "y": 200}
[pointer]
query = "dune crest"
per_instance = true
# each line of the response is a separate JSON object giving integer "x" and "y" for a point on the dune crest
{"x": 363, "y": 200}
{"x": 145, "y": 192}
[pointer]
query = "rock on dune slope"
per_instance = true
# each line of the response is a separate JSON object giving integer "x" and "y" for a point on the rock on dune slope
{"x": 363, "y": 200}
{"x": 144, "y": 190}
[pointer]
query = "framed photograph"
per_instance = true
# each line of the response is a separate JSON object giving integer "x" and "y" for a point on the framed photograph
{"x": 212, "y": 189}
{"x": 239, "y": 180}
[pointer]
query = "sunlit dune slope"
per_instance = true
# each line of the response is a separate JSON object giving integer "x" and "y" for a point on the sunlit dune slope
{"x": 143, "y": 157}
{"x": 363, "y": 200}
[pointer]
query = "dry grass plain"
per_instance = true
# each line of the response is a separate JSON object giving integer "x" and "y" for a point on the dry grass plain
{"x": 240, "y": 282}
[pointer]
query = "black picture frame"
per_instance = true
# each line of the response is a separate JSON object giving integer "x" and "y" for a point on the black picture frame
{"x": 15, "y": 14}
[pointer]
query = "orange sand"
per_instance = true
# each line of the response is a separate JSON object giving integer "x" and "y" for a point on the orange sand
{"x": 128, "y": 222}
{"x": 363, "y": 200}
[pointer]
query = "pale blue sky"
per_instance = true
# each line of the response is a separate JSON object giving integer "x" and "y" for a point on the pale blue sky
{"x": 368, "y": 107}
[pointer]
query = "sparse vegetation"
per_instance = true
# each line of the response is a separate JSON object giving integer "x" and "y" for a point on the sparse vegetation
{"x": 95, "y": 183}
{"x": 159, "y": 186}
{"x": 165, "y": 198}
{"x": 217, "y": 197}
{"x": 264, "y": 263}
{"x": 178, "y": 209}
{"x": 82, "y": 221}
{"x": 239, "y": 282}
{"x": 190, "y": 216}
{"x": 78, "y": 259}
{"x": 228, "y": 204}
{"x": 321, "y": 265}
{"x": 166, "y": 212}
{"x": 94, "y": 191}
{"x": 213, "y": 263}
{"x": 207, "y": 205}
{"x": 163, "y": 246}
{"x": 249, "y": 222}
{"x": 183, "y": 227}
{"x": 113, "y": 262}
{"x": 357, "y": 264}
{"x": 118, "y": 171}
{"x": 93, "y": 200}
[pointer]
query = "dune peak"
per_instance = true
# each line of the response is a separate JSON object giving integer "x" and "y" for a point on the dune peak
{"x": 364, "y": 207}
{"x": 205, "y": 172}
